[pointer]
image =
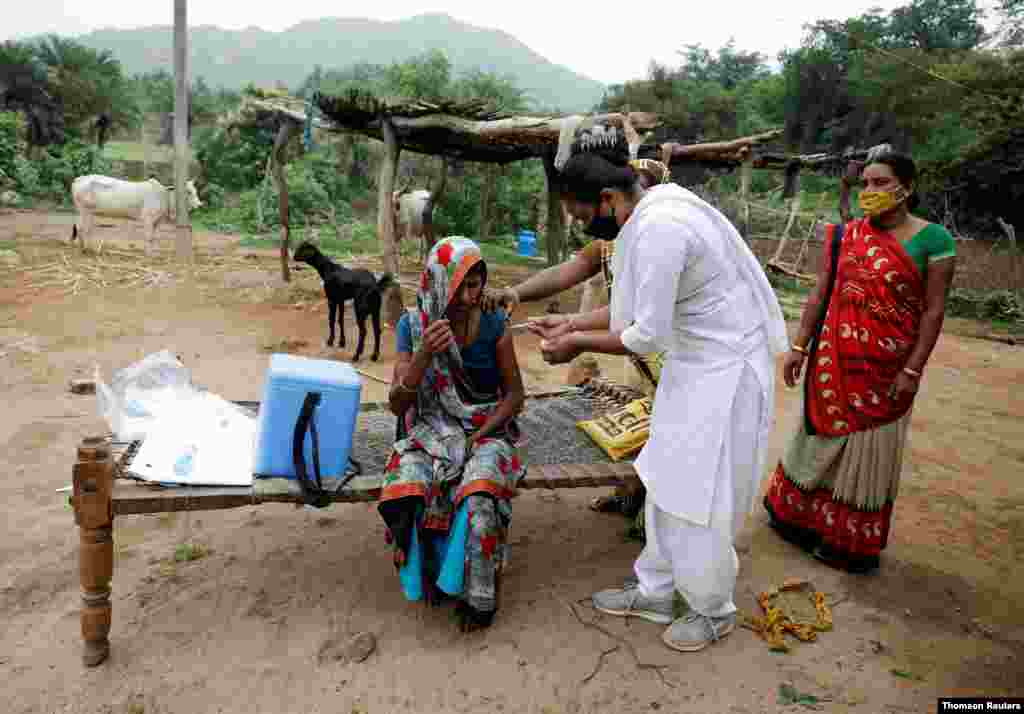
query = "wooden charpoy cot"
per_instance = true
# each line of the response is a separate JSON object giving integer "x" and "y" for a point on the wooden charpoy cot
{"x": 558, "y": 455}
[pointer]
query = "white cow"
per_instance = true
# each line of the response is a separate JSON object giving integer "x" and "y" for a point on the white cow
{"x": 149, "y": 201}
{"x": 409, "y": 208}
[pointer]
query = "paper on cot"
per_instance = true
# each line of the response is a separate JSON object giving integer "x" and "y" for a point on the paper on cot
{"x": 200, "y": 441}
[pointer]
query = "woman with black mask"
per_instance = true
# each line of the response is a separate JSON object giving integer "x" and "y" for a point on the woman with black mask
{"x": 686, "y": 284}
{"x": 595, "y": 258}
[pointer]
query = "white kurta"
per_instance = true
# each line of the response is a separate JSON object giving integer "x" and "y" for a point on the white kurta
{"x": 687, "y": 284}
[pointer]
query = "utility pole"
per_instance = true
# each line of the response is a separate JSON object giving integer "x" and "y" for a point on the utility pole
{"x": 183, "y": 227}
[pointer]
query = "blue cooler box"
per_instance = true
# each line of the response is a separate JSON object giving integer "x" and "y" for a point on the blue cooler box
{"x": 289, "y": 378}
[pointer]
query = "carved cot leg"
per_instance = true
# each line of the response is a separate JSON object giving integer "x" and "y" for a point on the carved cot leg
{"x": 93, "y": 479}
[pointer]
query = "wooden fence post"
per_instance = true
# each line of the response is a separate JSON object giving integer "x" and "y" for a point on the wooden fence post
{"x": 746, "y": 176}
{"x": 93, "y": 485}
{"x": 276, "y": 165}
{"x": 554, "y": 234}
{"x": 386, "y": 220}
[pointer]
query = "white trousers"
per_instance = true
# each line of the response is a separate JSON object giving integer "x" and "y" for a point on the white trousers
{"x": 700, "y": 562}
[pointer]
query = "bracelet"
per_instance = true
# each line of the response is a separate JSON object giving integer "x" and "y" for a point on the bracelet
{"x": 801, "y": 350}
{"x": 913, "y": 373}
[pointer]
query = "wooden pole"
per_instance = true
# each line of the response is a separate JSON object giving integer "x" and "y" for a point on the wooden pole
{"x": 386, "y": 220}
{"x": 276, "y": 166}
{"x": 93, "y": 485}
{"x": 554, "y": 235}
{"x": 183, "y": 233}
{"x": 428, "y": 211}
{"x": 487, "y": 200}
{"x": 746, "y": 176}
{"x": 794, "y": 209}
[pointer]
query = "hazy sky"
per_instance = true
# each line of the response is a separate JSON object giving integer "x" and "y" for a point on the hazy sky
{"x": 609, "y": 45}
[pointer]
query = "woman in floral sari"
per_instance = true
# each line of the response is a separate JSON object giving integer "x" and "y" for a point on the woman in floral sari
{"x": 456, "y": 390}
{"x": 833, "y": 491}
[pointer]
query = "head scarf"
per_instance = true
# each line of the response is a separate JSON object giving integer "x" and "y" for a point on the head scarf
{"x": 447, "y": 405}
{"x": 448, "y": 264}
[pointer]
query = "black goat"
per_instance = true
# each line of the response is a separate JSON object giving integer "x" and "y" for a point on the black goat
{"x": 341, "y": 284}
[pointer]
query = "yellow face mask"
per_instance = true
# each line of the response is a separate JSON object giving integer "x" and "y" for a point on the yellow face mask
{"x": 875, "y": 203}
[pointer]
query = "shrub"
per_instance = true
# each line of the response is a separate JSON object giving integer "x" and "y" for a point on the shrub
{"x": 237, "y": 160}
{"x": 9, "y": 122}
{"x": 1001, "y": 305}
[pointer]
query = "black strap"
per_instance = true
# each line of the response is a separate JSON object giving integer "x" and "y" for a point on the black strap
{"x": 313, "y": 493}
{"x": 837, "y": 238}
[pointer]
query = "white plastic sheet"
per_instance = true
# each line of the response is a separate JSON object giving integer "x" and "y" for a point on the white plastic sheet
{"x": 189, "y": 437}
{"x": 201, "y": 440}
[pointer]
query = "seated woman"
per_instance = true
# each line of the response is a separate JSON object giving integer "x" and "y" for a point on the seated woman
{"x": 456, "y": 390}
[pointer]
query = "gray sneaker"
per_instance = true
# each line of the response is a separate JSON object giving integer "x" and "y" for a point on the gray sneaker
{"x": 628, "y": 602}
{"x": 695, "y": 632}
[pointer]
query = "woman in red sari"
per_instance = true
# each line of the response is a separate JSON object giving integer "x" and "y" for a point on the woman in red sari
{"x": 866, "y": 348}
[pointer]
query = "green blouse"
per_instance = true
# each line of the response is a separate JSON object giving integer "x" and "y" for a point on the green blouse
{"x": 931, "y": 243}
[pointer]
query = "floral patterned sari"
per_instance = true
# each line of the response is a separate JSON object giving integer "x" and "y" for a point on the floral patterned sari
{"x": 447, "y": 506}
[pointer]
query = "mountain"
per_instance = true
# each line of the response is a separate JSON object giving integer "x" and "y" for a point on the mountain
{"x": 233, "y": 58}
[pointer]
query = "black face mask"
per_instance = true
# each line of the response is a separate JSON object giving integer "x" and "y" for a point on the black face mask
{"x": 602, "y": 228}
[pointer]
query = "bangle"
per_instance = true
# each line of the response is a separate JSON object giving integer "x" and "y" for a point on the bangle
{"x": 913, "y": 373}
{"x": 801, "y": 350}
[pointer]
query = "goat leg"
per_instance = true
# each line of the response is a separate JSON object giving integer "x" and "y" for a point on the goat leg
{"x": 341, "y": 322}
{"x": 375, "y": 315}
{"x": 332, "y": 308}
{"x": 361, "y": 321}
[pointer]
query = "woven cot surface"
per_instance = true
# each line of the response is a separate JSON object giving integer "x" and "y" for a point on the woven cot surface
{"x": 548, "y": 426}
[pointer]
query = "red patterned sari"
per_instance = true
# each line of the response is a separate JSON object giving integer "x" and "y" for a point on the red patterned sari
{"x": 840, "y": 482}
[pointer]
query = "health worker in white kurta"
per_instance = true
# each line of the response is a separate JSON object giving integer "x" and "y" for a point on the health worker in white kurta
{"x": 685, "y": 283}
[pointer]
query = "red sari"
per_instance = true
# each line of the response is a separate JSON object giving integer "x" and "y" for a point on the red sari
{"x": 870, "y": 327}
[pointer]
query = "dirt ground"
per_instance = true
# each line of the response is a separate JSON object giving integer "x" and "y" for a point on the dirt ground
{"x": 240, "y": 630}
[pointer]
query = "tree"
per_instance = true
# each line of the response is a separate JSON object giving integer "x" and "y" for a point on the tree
{"x": 729, "y": 69}
{"x": 501, "y": 91}
{"x": 930, "y": 25}
{"x": 427, "y": 76}
{"x": 24, "y": 87}
{"x": 865, "y": 79}
{"x": 88, "y": 82}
